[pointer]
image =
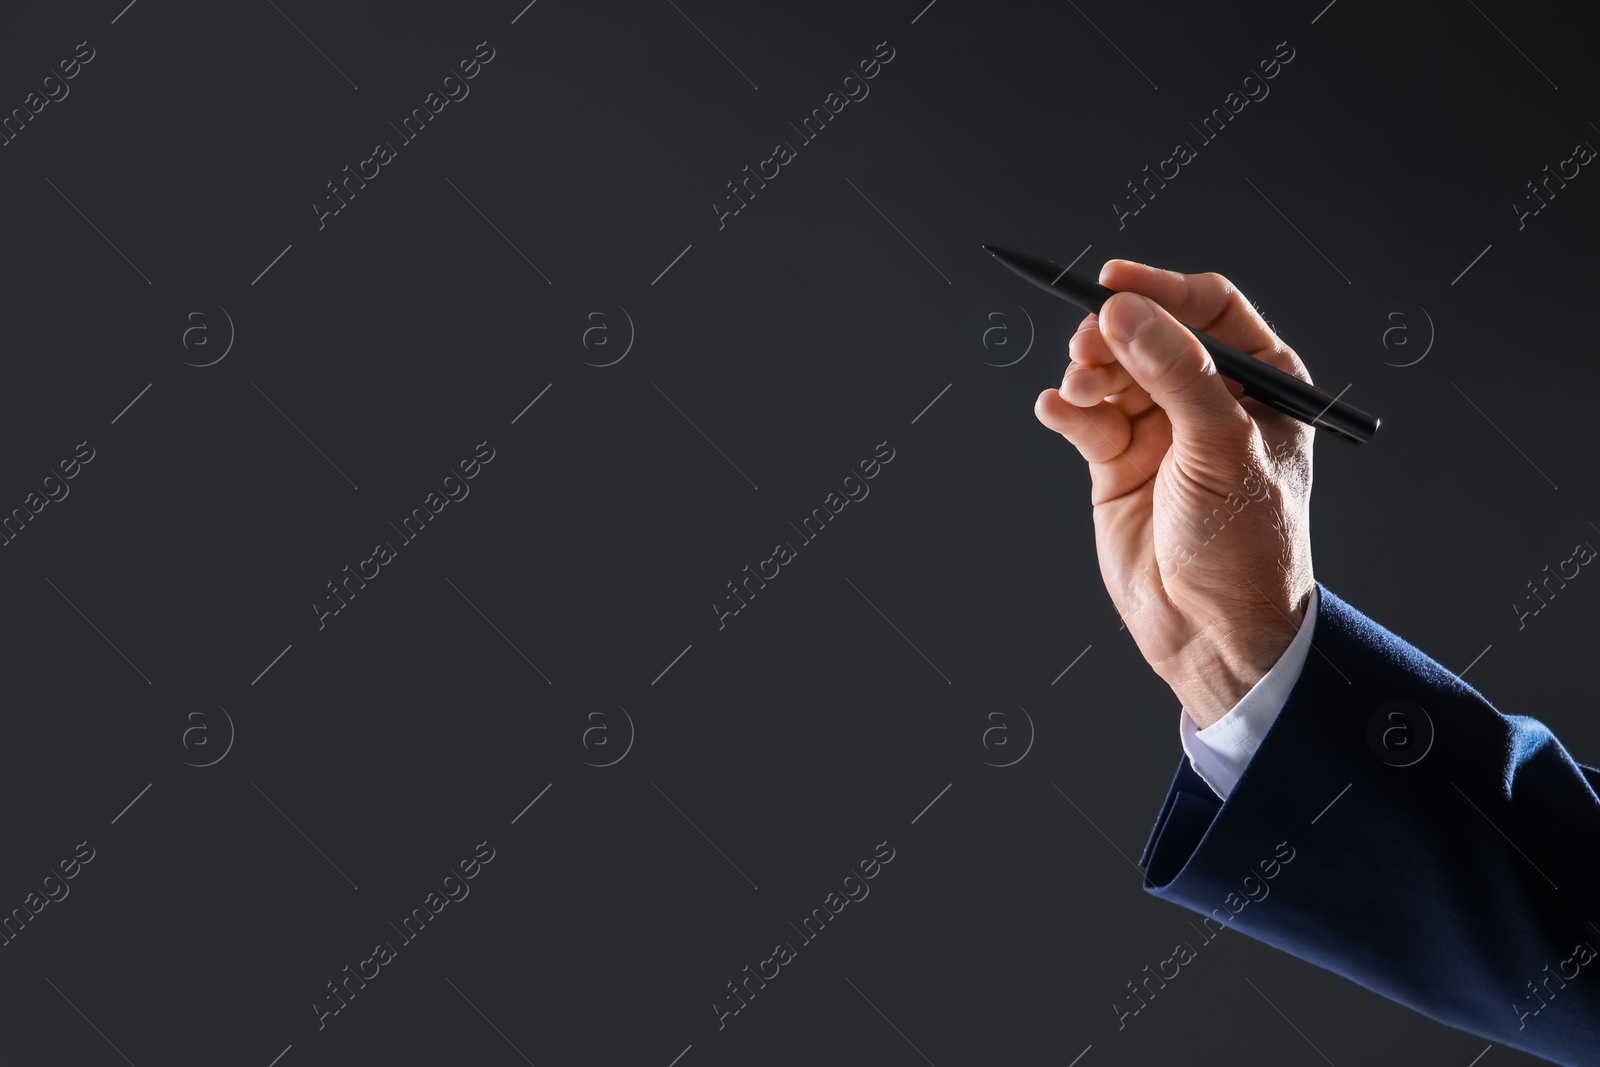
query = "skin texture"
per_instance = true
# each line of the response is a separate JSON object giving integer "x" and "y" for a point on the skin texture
{"x": 1169, "y": 444}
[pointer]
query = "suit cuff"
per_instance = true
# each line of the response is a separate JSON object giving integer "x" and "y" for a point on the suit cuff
{"x": 1219, "y": 752}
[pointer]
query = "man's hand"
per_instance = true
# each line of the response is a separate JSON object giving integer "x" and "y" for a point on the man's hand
{"x": 1201, "y": 496}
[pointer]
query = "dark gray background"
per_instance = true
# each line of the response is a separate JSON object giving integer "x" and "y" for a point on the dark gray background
{"x": 796, "y": 339}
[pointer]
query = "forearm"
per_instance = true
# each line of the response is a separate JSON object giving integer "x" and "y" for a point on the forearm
{"x": 1456, "y": 885}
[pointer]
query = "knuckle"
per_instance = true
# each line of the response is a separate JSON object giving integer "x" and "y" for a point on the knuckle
{"x": 1187, "y": 370}
{"x": 1218, "y": 289}
{"x": 1297, "y": 366}
{"x": 1226, "y": 301}
{"x": 1081, "y": 350}
{"x": 1235, "y": 428}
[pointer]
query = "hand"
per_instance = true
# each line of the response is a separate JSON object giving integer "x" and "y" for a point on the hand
{"x": 1201, "y": 496}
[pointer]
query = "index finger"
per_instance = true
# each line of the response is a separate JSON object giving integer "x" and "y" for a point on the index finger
{"x": 1206, "y": 302}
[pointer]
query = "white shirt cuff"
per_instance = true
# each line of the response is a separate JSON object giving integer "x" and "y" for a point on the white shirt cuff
{"x": 1220, "y": 752}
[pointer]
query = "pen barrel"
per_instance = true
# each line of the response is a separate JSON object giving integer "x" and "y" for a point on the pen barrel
{"x": 1288, "y": 394}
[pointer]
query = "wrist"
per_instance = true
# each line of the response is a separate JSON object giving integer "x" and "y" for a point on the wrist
{"x": 1223, "y": 669}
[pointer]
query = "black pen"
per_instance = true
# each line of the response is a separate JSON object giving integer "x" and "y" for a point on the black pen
{"x": 1261, "y": 381}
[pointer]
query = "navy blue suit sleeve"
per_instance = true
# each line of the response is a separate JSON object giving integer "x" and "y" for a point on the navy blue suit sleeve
{"x": 1465, "y": 885}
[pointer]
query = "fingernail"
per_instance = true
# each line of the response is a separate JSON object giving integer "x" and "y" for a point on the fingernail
{"x": 1128, "y": 315}
{"x": 1105, "y": 271}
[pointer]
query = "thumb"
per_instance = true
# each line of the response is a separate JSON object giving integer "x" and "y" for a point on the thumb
{"x": 1211, "y": 433}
